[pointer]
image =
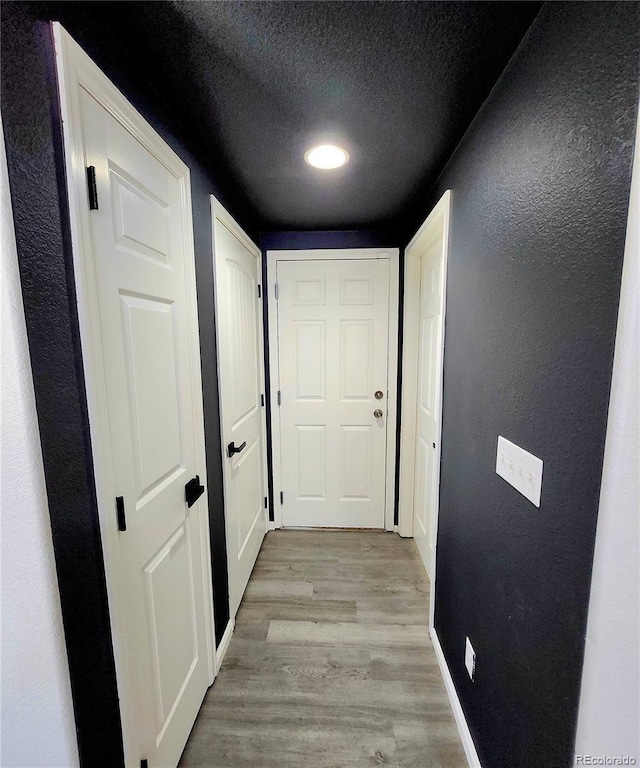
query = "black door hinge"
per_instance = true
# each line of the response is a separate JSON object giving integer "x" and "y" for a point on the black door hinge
{"x": 93, "y": 188}
{"x": 144, "y": 763}
{"x": 281, "y": 498}
{"x": 279, "y": 398}
{"x": 122, "y": 520}
{"x": 266, "y": 502}
{"x": 262, "y": 400}
{"x": 259, "y": 292}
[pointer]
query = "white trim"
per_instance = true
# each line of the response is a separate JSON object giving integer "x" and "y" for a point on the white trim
{"x": 314, "y": 254}
{"x": 392, "y": 388}
{"x": 222, "y": 649}
{"x": 219, "y": 213}
{"x": 461, "y": 720}
{"x": 393, "y": 256}
{"x": 436, "y": 224}
{"x": 77, "y": 71}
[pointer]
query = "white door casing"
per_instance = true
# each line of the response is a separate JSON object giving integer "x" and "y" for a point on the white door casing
{"x": 422, "y": 368}
{"x": 333, "y": 342}
{"x": 135, "y": 280}
{"x": 238, "y": 273}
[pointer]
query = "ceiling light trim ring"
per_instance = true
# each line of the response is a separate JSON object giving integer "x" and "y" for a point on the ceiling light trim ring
{"x": 326, "y": 157}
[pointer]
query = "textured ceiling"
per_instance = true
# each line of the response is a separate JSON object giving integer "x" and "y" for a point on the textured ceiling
{"x": 396, "y": 83}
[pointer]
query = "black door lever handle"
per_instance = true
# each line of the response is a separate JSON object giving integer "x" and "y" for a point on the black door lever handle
{"x": 193, "y": 491}
{"x": 231, "y": 448}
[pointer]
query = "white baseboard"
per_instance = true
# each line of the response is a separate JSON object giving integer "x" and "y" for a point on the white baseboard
{"x": 272, "y": 526}
{"x": 221, "y": 650}
{"x": 461, "y": 722}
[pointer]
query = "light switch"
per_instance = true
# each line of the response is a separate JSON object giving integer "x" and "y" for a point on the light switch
{"x": 521, "y": 469}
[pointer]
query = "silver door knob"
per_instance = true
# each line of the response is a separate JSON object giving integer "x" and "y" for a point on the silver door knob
{"x": 379, "y": 395}
{"x": 377, "y": 413}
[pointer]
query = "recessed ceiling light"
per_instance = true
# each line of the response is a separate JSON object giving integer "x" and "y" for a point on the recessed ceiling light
{"x": 326, "y": 156}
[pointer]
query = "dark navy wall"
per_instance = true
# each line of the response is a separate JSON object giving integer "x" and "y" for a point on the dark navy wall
{"x": 334, "y": 238}
{"x": 540, "y": 188}
{"x": 309, "y": 240}
{"x": 31, "y": 122}
{"x": 36, "y": 173}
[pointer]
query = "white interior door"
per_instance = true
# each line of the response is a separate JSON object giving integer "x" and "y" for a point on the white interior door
{"x": 333, "y": 327}
{"x": 147, "y": 323}
{"x": 240, "y": 356}
{"x": 428, "y": 401}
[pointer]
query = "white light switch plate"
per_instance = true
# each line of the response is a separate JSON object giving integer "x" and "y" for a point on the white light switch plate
{"x": 470, "y": 659}
{"x": 521, "y": 469}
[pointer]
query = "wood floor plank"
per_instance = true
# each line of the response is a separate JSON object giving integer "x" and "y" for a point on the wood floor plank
{"x": 414, "y": 743}
{"x": 294, "y": 747}
{"x": 382, "y": 572}
{"x": 253, "y": 658}
{"x": 272, "y": 588}
{"x": 334, "y": 633}
{"x": 357, "y": 589}
{"x": 330, "y": 664}
{"x": 411, "y": 609}
{"x": 295, "y": 609}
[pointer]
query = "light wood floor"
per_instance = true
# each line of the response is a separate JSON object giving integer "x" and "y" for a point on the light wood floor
{"x": 330, "y": 665}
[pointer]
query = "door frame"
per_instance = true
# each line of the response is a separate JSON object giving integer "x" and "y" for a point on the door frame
{"x": 435, "y": 225}
{"x": 75, "y": 71}
{"x": 392, "y": 255}
{"x": 219, "y": 213}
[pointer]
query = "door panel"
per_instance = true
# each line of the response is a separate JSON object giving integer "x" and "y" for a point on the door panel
{"x": 356, "y": 364}
{"x": 242, "y": 286}
{"x": 332, "y": 357}
{"x": 312, "y": 462}
{"x": 147, "y": 319}
{"x": 356, "y": 449}
{"x": 173, "y": 621}
{"x": 150, "y": 361}
{"x": 309, "y": 359}
{"x": 247, "y": 473}
{"x": 429, "y": 365}
{"x": 239, "y": 329}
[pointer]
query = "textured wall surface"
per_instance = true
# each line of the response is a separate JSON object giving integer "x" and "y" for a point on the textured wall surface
{"x": 540, "y": 189}
{"x": 36, "y": 694}
{"x": 24, "y": 107}
{"x": 36, "y": 175}
{"x": 610, "y": 694}
{"x": 41, "y": 227}
{"x": 275, "y": 78}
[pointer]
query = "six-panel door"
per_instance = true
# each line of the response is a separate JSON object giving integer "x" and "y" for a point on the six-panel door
{"x": 239, "y": 321}
{"x": 428, "y": 406}
{"x": 147, "y": 323}
{"x": 332, "y": 358}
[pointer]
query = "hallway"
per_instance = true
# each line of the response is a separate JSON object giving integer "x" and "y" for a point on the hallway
{"x": 330, "y": 665}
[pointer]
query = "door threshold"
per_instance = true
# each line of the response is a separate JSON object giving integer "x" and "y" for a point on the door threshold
{"x": 330, "y": 528}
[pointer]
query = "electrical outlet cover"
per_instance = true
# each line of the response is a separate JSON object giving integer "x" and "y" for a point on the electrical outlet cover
{"x": 470, "y": 659}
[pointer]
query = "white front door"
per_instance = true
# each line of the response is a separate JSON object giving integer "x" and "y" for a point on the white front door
{"x": 240, "y": 357}
{"x": 145, "y": 323}
{"x": 428, "y": 401}
{"x": 333, "y": 328}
